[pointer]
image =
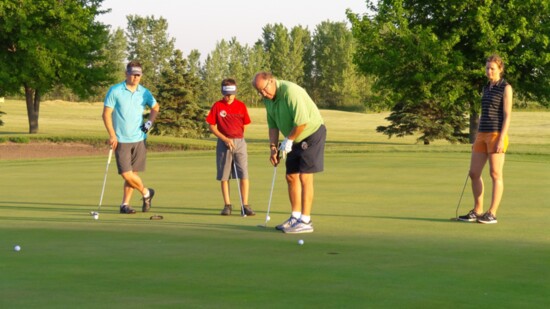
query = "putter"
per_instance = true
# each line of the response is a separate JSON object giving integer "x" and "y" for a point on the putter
{"x": 243, "y": 214}
{"x": 460, "y": 199}
{"x": 93, "y": 213}
{"x": 270, "y": 194}
{"x": 270, "y": 197}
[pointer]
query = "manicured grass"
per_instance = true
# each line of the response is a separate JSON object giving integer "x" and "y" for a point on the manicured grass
{"x": 347, "y": 132}
{"x": 383, "y": 237}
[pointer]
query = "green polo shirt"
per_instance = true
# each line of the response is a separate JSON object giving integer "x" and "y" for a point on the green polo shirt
{"x": 292, "y": 107}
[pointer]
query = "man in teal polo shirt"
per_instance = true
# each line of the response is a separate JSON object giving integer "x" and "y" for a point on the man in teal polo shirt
{"x": 123, "y": 118}
{"x": 291, "y": 112}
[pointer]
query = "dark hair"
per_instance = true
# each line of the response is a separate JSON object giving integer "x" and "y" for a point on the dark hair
{"x": 229, "y": 82}
{"x": 133, "y": 63}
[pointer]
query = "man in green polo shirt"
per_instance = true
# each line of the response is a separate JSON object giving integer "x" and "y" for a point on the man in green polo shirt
{"x": 291, "y": 112}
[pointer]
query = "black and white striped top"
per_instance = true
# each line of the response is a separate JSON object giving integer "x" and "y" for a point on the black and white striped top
{"x": 492, "y": 107}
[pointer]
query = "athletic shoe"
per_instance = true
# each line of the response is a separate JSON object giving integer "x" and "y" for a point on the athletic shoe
{"x": 288, "y": 223}
{"x": 147, "y": 201}
{"x": 487, "y": 218}
{"x": 299, "y": 227}
{"x": 248, "y": 211}
{"x": 125, "y": 209}
{"x": 470, "y": 217}
{"x": 226, "y": 211}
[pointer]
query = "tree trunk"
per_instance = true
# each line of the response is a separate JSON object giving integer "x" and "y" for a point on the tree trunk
{"x": 32, "y": 98}
{"x": 474, "y": 124}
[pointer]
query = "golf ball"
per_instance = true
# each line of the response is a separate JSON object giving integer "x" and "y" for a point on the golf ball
{"x": 301, "y": 242}
{"x": 268, "y": 218}
{"x": 96, "y": 216}
{"x": 17, "y": 248}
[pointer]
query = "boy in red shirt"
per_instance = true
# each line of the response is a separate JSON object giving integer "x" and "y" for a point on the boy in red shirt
{"x": 227, "y": 119}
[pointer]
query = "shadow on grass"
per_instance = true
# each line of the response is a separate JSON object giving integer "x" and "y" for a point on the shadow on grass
{"x": 414, "y": 219}
{"x": 189, "y": 211}
{"x": 251, "y": 226}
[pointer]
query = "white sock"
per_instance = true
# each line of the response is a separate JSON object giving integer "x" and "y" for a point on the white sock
{"x": 296, "y": 214}
{"x": 305, "y": 219}
{"x": 146, "y": 195}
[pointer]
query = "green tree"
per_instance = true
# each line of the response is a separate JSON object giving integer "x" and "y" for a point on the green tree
{"x": 46, "y": 43}
{"x": 180, "y": 115}
{"x": 257, "y": 60}
{"x": 115, "y": 57}
{"x": 308, "y": 63}
{"x": 216, "y": 68}
{"x": 195, "y": 70}
{"x": 430, "y": 55}
{"x": 286, "y": 51}
{"x": 116, "y": 52}
{"x": 339, "y": 85}
{"x": 149, "y": 43}
{"x": 194, "y": 63}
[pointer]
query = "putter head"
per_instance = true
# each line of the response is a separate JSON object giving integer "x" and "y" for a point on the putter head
{"x": 93, "y": 213}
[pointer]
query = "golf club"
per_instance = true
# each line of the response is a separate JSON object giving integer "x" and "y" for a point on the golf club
{"x": 243, "y": 214}
{"x": 93, "y": 213}
{"x": 270, "y": 197}
{"x": 270, "y": 194}
{"x": 459, "y": 200}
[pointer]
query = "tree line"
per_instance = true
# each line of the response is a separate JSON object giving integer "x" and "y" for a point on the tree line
{"x": 321, "y": 60}
{"x": 423, "y": 60}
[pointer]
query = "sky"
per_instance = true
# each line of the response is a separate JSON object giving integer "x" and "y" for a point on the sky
{"x": 200, "y": 24}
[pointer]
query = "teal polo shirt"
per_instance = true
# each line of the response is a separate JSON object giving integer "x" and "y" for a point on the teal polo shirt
{"x": 128, "y": 111}
{"x": 291, "y": 107}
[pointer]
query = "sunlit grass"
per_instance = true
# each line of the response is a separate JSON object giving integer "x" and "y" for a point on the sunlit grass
{"x": 347, "y": 132}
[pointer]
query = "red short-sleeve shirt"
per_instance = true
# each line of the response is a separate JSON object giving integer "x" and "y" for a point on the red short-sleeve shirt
{"x": 229, "y": 118}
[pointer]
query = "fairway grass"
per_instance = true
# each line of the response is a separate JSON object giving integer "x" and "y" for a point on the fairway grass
{"x": 382, "y": 239}
{"x": 383, "y": 235}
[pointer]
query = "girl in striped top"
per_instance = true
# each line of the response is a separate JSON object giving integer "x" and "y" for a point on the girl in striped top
{"x": 491, "y": 141}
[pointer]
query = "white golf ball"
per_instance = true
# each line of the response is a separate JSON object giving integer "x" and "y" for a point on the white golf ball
{"x": 268, "y": 218}
{"x": 301, "y": 242}
{"x": 17, "y": 248}
{"x": 96, "y": 216}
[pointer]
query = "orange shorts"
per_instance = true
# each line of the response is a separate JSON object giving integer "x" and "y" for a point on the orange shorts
{"x": 486, "y": 142}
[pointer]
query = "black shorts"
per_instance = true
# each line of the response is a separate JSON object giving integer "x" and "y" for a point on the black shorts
{"x": 308, "y": 156}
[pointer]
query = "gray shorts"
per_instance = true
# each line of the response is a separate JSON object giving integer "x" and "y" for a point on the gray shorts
{"x": 130, "y": 157}
{"x": 224, "y": 160}
{"x": 308, "y": 156}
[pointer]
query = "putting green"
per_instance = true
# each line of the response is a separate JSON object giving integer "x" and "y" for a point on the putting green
{"x": 382, "y": 239}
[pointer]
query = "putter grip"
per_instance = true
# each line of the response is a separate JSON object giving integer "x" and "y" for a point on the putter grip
{"x": 110, "y": 156}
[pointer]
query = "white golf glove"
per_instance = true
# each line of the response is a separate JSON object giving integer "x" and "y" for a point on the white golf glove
{"x": 286, "y": 145}
{"x": 146, "y": 126}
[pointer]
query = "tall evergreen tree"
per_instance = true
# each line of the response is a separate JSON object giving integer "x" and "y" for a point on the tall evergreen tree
{"x": 180, "y": 115}
{"x": 149, "y": 43}
{"x": 216, "y": 68}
